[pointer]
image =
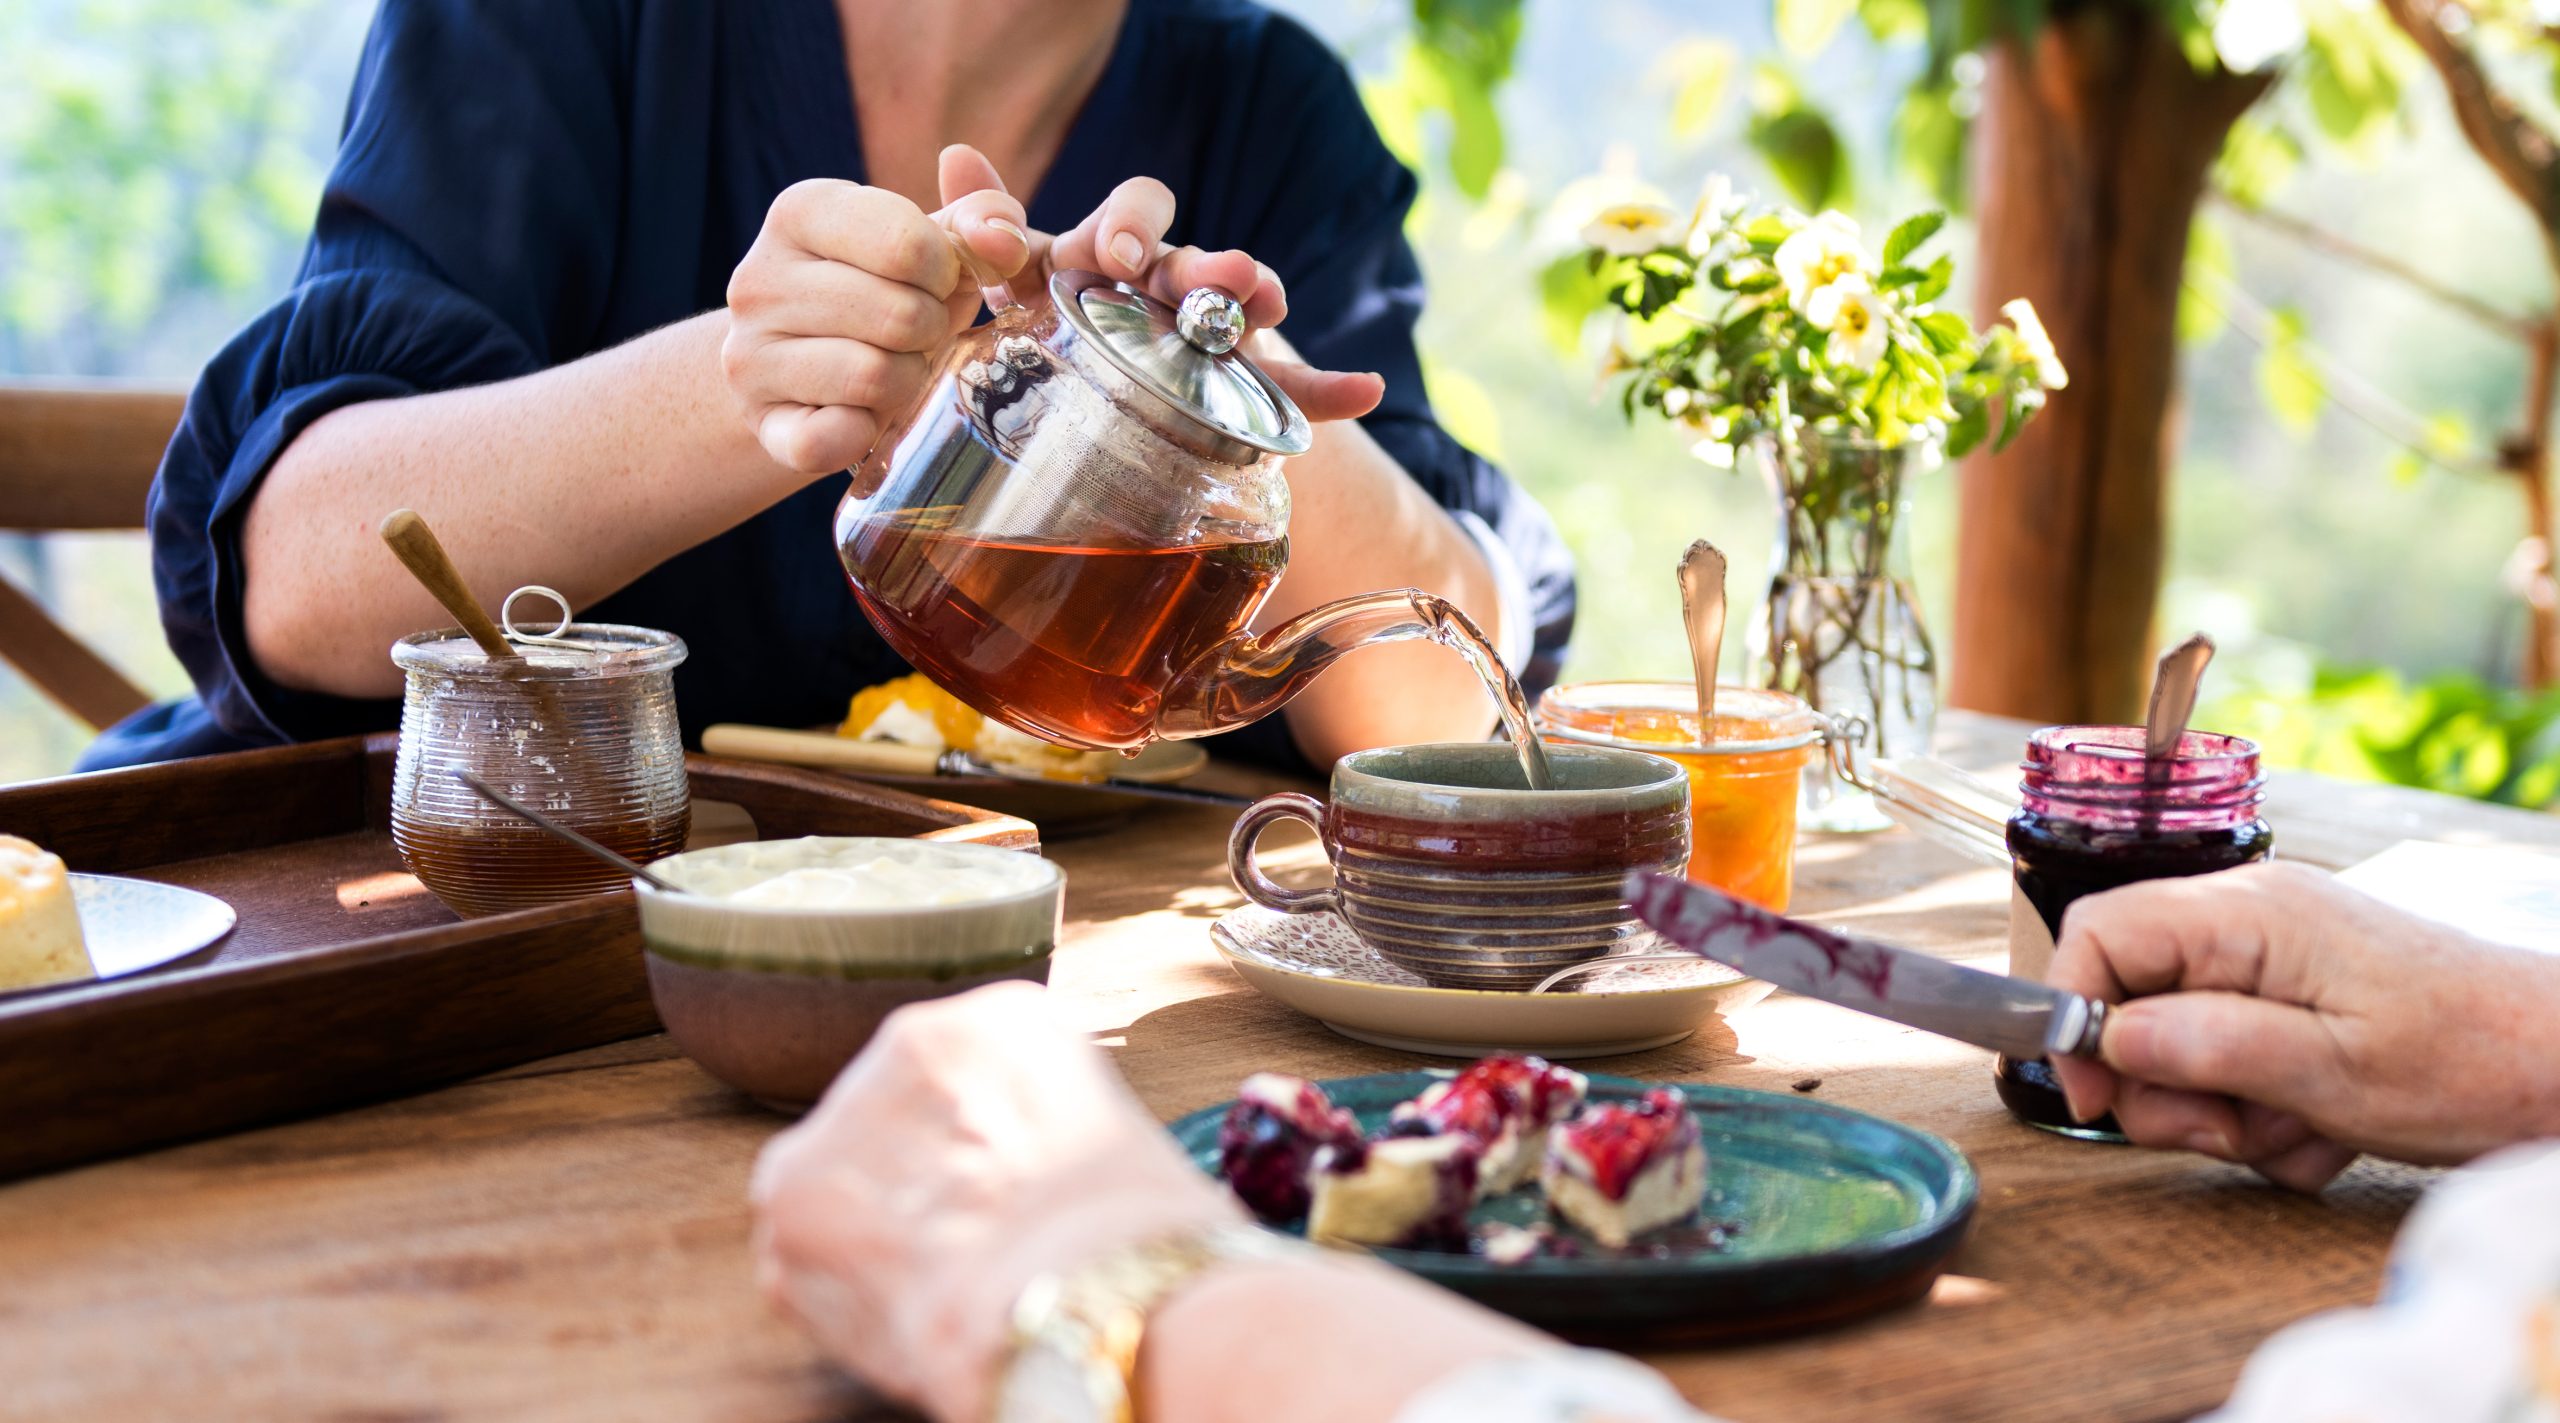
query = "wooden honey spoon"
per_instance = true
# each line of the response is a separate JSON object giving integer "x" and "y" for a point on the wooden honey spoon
{"x": 422, "y": 553}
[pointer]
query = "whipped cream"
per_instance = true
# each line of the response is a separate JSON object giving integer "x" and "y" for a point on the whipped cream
{"x": 907, "y": 726}
{"x": 876, "y": 884}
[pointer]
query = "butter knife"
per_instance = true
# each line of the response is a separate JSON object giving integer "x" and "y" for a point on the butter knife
{"x": 2016, "y": 1016}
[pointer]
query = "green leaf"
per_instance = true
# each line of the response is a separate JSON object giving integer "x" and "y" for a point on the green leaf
{"x": 1929, "y": 139}
{"x": 2257, "y": 156}
{"x": 1569, "y": 291}
{"x": 1798, "y": 142}
{"x": 1700, "y": 71}
{"x": 1948, "y": 332}
{"x": 1972, "y": 423}
{"x": 1894, "y": 21}
{"x": 1805, "y": 27}
{"x": 2209, "y": 267}
{"x": 1909, "y": 234}
{"x": 2288, "y": 380}
{"x": 1938, "y": 276}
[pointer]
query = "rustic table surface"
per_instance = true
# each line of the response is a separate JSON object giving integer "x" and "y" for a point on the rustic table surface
{"x": 568, "y": 1239}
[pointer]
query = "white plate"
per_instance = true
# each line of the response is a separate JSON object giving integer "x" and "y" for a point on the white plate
{"x": 1317, "y": 965}
{"x": 137, "y": 924}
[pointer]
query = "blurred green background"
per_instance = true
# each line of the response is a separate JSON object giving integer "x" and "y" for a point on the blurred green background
{"x": 159, "y": 162}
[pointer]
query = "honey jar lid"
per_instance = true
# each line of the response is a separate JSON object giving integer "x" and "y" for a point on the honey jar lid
{"x": 1749, "y": 720}
{"x": 565, "y": 651}
{"x": 1184, "y": 360}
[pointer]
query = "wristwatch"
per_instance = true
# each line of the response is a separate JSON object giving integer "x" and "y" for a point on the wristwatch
{"x": 1074, "y": 1357}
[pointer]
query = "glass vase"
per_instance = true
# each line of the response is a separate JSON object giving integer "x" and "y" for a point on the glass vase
{"x": 1842, "y": 628}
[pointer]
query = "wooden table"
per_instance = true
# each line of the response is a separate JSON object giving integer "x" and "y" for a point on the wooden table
{"x": 568, "y": 1240}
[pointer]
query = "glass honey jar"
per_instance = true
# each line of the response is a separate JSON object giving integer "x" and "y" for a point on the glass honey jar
{"x": 1744, "y": 786}
{"x": 584, "y": 728}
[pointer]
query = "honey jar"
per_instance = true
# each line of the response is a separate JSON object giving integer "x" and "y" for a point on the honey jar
{"x": 1744, "y": 786}
{"x": 583, "y": 728}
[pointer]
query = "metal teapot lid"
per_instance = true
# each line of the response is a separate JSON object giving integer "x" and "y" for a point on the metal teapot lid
{"x": 1186, "y": 359}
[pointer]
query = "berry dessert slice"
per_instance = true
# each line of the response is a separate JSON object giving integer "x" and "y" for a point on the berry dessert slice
{"x": 1505, "y": 1104}
{"x": 1270, "y": 1138}
{"x": 1412, "y": 1191}
{"x": 1623, "y": 1168}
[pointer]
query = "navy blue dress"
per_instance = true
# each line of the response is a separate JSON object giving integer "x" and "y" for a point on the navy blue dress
{"x": 522, "y": 184}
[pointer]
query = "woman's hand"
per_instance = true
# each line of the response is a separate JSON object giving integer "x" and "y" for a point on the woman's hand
{"x": 973, "y": 1146}
{"x": 2274, "y": 1017}
{"x": 849, "y": 290}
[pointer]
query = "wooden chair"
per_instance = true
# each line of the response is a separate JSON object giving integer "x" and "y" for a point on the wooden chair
{"x": 75, "y": 456}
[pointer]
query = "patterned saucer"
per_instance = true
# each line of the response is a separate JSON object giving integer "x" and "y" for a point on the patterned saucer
{"x": 1317, "y": 965}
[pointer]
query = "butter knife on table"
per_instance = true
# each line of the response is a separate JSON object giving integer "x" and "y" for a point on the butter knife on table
{"x": 890, "y": 758}
{"x": 2016, "y": 1016}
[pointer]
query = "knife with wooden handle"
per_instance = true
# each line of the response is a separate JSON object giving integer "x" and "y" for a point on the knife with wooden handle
{"x": 889, "y": 758}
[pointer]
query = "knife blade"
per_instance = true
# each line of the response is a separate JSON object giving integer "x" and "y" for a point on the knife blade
{"x": 2015, "y": 1016}
{"x": 841, "y": 753}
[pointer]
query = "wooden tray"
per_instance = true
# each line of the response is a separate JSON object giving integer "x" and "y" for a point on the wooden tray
{"x": 345, "y": 981}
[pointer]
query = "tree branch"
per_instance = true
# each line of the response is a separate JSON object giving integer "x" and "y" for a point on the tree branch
{"x": 2517, "y": 149}
{"x": 2513, "y": 325}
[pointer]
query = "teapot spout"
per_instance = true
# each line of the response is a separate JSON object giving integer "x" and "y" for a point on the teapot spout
{"x": 1250, "y": 676}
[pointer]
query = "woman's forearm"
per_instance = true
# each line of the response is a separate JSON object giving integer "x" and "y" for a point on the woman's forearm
{"x": 1359, "y": 523}
{"x": 581, "y": 477}
{"x": 1339, "y": 1340}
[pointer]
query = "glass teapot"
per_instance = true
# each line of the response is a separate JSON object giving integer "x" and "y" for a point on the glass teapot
{"x": 1073, "y": 529}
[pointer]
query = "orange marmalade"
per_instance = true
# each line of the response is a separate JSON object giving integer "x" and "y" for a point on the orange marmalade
{"x": 1743, "y": 787}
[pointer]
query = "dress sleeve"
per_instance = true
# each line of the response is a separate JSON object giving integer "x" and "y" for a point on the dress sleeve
{"x": 465, "y": 235}
{"x": 1331, "y": 222}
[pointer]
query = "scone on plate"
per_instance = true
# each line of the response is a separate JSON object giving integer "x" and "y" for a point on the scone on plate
{"x": 40, "y": 940}
{"x": 1621, "y": 1169}
{"x": 1505, "y": 1104}
{"x": 1267, "y": 1143}
{"x": 1412, "y": 1191}
{"x": 914, "y": 711}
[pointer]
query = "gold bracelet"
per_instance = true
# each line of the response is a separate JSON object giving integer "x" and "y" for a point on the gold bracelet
{"x": 1074, "y": 1351}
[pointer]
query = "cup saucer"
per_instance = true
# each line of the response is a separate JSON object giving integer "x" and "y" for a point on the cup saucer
{"x": 1317, "y": 965}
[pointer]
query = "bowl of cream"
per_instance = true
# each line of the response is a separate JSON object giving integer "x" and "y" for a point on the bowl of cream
{"x": 773, "y": 962}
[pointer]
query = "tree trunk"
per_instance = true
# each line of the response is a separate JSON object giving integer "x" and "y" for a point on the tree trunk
{"x": 2095, "y": 140}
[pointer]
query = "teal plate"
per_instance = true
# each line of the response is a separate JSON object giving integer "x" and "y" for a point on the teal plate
{"x": 1832, "y": 1214}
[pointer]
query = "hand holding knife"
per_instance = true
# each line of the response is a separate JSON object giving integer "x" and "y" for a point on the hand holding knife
{"x": 2010, "y": 1015}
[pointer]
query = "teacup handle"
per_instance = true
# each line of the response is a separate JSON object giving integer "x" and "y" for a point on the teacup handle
{"x": 1257, "y": 886}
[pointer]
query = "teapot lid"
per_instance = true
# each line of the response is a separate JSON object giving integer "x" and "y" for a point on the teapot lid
{"x": 1187, "y": 359}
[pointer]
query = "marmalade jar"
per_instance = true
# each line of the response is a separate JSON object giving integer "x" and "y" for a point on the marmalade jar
{"x": 1744, "y": 788}
{"x": 2095, "y": 814}
{"x": 585, "y": 731}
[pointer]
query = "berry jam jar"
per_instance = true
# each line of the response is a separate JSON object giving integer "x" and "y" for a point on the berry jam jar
{"x": 2096, "y": 814}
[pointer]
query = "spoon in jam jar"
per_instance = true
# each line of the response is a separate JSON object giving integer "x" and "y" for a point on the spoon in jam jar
{"x": 1702, "y": 614}
{"x": 2173, "y": 699}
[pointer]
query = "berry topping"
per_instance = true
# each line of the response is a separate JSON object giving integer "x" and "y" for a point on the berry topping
{"x": 1612, "y": 1142}
{"x": 1270, "y": 1138}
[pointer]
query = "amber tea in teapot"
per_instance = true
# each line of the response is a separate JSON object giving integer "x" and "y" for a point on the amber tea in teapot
{"x": 1074, "y": 527}
{"x": 1071, "y": 641}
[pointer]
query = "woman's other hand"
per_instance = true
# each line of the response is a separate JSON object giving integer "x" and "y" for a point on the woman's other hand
{"x": 849, "y": 291}
{"x": 2273, "y": 1017}
{"x": 975, "y": 1145}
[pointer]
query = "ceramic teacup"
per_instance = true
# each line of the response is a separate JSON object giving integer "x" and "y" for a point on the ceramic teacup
{"x": 1447, "y": 865}
{"x": 774, "y": 1000}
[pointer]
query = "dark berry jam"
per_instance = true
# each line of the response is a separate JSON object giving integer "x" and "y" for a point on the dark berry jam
{"x": 2097, "y": 816}
{"x": 1618, "y": 1140}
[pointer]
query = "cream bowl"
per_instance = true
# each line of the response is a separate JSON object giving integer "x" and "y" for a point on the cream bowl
{"x": 774, "y": 998}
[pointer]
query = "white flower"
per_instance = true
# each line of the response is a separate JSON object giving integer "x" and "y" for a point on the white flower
{"x": 1817, "y": 255}
{"x": 1707, "y": 219}
{"x": 1630, "y": 229}
{"x": 1676, "y": 399}
{"x": 2032, "y": 335}
{"x": 1849, "y": 309}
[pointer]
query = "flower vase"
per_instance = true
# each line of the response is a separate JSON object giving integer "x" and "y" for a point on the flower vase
{"x": 1842, "y": 629}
